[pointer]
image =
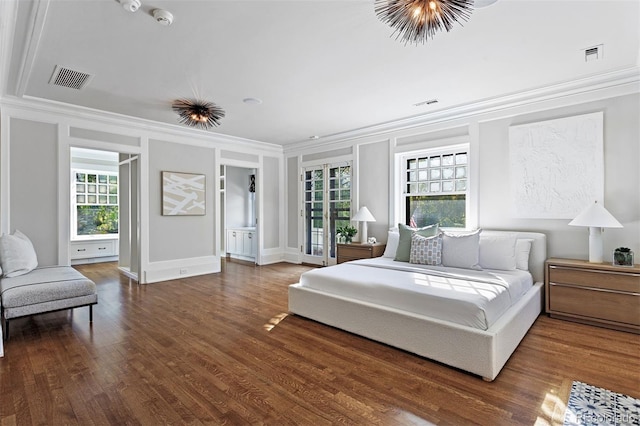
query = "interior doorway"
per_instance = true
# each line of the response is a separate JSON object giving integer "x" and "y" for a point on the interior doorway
{"x": 104, "y": 209}
{"x": 239, "y": 213}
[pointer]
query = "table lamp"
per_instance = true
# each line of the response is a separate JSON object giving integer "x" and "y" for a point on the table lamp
{"x": 364, "y": 216}
{"x": 596, "y": 217}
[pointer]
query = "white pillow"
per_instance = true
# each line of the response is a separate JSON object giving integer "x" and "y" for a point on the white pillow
{"x": 523, "y": 247}
{"x": 17, "y": 255}
{"x": 426, "y": 250}
{"x": 393, "y": 238}
{"x": 461, "y": 250}
{"x": 498, "y": 252}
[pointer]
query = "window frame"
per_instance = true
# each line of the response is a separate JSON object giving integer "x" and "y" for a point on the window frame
{"x": 401, "y": 183}
{"x": 74, "y": 204}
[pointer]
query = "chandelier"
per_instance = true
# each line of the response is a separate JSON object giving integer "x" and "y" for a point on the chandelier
{"x": 196, "y": 113}
{"x": 415, "y": 21}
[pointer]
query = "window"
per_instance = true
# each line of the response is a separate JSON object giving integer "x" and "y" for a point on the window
{"x": 94, "y": 198}
{"x": 435, "y": 187}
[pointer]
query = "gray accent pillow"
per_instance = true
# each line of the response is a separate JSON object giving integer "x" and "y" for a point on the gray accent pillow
{"x": 461, "y": 250}
{"x": 404, "y": 243}
{"x": 17, "y": 255}
{"x": 426, "y": 250}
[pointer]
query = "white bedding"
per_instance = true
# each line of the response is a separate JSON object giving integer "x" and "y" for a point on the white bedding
{"x": 462, "y": 296}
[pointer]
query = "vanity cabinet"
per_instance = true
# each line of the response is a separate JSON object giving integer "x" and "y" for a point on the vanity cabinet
{"x": 242, "y": 243}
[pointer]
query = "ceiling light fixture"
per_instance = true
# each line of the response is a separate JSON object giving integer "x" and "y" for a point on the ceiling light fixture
{"x": 196, "y": 113}
{"x": 415, "y": 21}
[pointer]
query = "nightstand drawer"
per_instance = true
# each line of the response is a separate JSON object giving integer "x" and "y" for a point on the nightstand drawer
{"x": 610, "y": 280}
{"x": 593, "y": 293}
{"x": 356, "y": 252}
{"x": 587, "y": 302}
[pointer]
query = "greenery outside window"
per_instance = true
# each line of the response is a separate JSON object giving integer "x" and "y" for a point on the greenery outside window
{"x": 94, "y": 199}
{"x": 435, "y": 185}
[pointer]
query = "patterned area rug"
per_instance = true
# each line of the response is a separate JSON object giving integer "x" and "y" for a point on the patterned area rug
{"x": 589, "y": 405}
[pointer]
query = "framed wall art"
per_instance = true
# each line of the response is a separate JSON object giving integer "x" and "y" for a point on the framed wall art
{"x": 556, "y": 166}
{"x": 183, "y": 194}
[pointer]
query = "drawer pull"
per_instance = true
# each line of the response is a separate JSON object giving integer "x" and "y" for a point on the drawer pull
{"x": 603, "y": 290}
{"x": 82, "y": 249}
{"x": 102, "y": 248}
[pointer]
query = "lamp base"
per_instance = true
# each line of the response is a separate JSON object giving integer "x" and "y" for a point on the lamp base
{"x": 363, "y": 236}
{"x": 595, "y": 244}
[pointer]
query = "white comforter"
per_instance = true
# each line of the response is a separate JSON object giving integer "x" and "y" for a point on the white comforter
{"x": 463, "y": 296}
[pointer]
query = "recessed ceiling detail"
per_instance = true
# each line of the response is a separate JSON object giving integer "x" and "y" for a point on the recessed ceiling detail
{"x": 67, "y": 77}
{"x": 252, "y": 101}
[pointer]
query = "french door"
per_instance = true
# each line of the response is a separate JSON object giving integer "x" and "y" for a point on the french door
{"x": 327, "y": 206}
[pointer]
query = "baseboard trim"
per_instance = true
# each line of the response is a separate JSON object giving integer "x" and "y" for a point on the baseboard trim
{"x": 180, "y": 268}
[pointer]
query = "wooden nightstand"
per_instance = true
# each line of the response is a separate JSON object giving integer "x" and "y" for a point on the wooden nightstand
{"x": 593, "y": 293}
{"x": 355, "y": 251}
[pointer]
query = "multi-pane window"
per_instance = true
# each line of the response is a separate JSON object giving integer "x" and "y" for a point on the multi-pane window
{"x": 95, "y": 197}
{"x": 436, "y": 185}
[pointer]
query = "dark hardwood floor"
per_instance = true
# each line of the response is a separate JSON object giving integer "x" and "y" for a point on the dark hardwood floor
{"x": 221, "y": 349}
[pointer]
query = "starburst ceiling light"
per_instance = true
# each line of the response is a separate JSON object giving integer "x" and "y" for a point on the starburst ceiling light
{"x": 415, "y": 21}
{"x": 196, "y": 113}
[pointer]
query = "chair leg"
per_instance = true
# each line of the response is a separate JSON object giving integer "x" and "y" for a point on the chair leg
{"x": 6, "y": 329}
{"x": 90, "y": 313}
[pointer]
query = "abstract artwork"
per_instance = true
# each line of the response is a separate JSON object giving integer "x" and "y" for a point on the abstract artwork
{"x": 556, "y": 166}
{"x": 183, "y": 194}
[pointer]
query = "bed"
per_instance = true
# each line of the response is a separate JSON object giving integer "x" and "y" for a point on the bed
{"x": 401, "y": 304}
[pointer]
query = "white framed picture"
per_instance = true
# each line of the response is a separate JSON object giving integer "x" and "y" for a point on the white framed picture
{"x": 183, "y": 194}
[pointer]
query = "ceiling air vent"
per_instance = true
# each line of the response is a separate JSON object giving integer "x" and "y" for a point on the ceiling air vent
{"x": 594, "y": 53}
{"x": 66, "y": 77}
{"x": 429, "y": 102}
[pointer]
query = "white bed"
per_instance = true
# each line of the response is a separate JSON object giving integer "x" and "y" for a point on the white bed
{"x": 476, "y": 333}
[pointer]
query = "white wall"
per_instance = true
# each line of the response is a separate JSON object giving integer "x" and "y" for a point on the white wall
{"x": 487, "y": 134}
{"x": 32, "y": 186}
{"x": 35, "y": 142}
{"x": 181, "y": 237}
{"x": 622, "y": 178}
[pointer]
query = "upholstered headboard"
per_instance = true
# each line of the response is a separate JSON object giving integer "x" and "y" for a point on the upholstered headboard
{"x": 538, "y": 253}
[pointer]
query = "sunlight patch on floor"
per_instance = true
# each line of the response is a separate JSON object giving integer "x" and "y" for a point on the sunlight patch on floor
{"x": 274, "y": 321}
{"x": 552, "y": 410}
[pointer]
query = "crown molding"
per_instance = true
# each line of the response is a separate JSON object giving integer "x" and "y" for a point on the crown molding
{"x": 140, "y": 125}
{"x": 8, "y": 18}
{"x": 600, "y": 86}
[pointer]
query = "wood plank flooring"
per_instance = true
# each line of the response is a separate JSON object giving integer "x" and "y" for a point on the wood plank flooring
{"x": 221, "y": 349}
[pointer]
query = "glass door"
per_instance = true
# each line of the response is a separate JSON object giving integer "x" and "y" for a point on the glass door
{"x": 327, "y": 206}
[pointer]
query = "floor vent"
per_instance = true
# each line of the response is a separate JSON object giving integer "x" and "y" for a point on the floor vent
{"x": 66, "y": 77}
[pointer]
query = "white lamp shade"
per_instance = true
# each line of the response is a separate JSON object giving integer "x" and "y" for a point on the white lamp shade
{"x": 363, "y": 215}
{"x": 597, "y": 216}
